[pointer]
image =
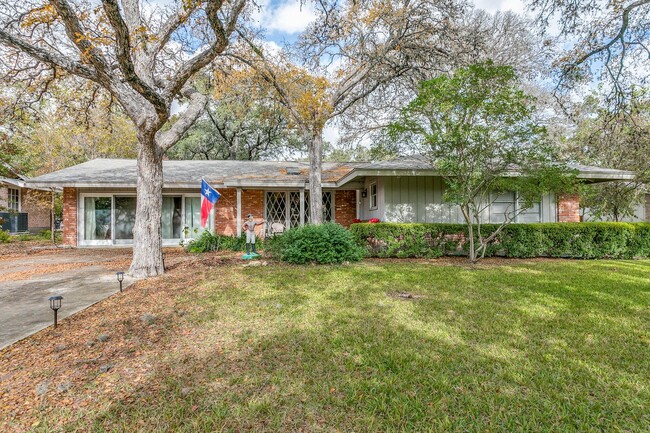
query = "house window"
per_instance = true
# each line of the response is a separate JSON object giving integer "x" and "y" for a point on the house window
{"x": 328, "y": 207}
{"x": 97, "y": 218}
{"x": 283, "y": 207}
{"x": 106, "y": 219}
{"x": 13, "y": 202}
{"x": 373, "y": 195}
{"x": 124, "y": 217}
{"x": 193, "y": 228}
{"x": 172, "y": 217}
{"x": 508, "y": 206}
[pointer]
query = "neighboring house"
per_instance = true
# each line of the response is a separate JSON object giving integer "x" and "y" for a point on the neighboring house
{"x": 23, "y": 208}
{"x": 99, "y": 196}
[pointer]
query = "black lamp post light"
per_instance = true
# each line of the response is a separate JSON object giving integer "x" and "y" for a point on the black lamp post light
{"x": 55, "y": 304}
{"x": 120, "y": 278}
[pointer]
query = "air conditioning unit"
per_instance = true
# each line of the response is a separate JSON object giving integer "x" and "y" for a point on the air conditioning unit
{"x": 14, "y": 222}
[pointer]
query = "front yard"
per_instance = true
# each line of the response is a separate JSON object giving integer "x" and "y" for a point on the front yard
{"x": 508, "y": 345}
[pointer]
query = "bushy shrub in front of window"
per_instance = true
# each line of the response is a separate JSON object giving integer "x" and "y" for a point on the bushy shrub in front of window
{"x": 565, "y": 240}
{"x": 5, "y": 237}
{"x": 208, "y": 242}
{"x": 323, "y": 244}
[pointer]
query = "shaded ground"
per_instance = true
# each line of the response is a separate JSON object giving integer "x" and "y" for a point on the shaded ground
{"x": 31, "y": 272}
{"x": 512, "y": 345}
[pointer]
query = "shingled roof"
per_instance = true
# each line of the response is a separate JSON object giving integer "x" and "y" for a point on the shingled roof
{"x": 122, "y": 173}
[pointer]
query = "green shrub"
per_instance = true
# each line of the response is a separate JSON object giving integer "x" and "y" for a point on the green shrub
{"x": 45, "y": 234}
{"x": 5, "y": 237}
{"x": 569, "y": 240}
{"x": 206, "y": 242}
{"x": 212, "y": 242}
{"x": 323, "y": 244}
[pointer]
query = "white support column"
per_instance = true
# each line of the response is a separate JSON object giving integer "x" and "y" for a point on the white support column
{"x": 239, "y": 212}
{"x": 302, "y": 207}
{"x": 358, "y": 203}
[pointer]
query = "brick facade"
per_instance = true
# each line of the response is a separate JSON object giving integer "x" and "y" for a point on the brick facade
{"x": 252, "y": 201}
{"x": 568, "y": 208}
{"x": 37, "y": 204}
{"x": 4, "y": 196}
{"x": 225, "y": 212}
{"x": 70, "y": 216}
{"x": 345, "y": 204}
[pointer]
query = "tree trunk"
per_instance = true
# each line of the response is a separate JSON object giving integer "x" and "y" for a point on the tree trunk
{"x": 234, "y": 148}
{"x": 147, "y": 232}
{"x": 470, "y": 230}
{"x": 472, "y": 251}
{"x": 52, "y": 226}
{"x": 315, "y": 168}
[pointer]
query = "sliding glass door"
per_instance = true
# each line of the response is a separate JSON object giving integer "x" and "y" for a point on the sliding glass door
{"x": 97, "y": 212}
{"x": 192, "y": 228}
{"x": 106, "y": 219}
{"x": 172, "y": 218}
{"x": 124, "y": 219}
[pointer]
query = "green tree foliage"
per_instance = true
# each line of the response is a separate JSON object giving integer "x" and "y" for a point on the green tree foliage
{"x": 476, "y": 127}
{"x": 71, "y": 124}
{"x": 242, "y": 122}
{"x": 616, "y": 139}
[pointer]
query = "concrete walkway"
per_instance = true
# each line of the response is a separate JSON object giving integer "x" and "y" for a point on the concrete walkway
{"x": 82, "y": 277}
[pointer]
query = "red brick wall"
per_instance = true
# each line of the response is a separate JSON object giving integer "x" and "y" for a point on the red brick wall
{"x": 225, "y": 213}
{"x": 252, "y": 201}
{"x": 4, "y": 196}
{"x": 345, "y": 203}
{"x": 70, "y": 216}
{"x": 568, "y": 208}
{"x": 37, "y": 204}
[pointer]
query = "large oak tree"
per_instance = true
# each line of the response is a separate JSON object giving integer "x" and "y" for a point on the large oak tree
{"x": 350, "y": 51}
{"x": 145, "y": 59}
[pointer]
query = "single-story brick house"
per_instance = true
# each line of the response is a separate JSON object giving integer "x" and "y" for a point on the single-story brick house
{"x": 23, "y": 208}
{"x": 99, "y": 196}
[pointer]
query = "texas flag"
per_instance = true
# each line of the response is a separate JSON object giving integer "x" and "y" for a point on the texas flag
{"x": 209, "y": 197}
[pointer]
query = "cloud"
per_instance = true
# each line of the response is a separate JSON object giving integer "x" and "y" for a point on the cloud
{"x": 493, "y": 6}
{"x": 288, "y": 17}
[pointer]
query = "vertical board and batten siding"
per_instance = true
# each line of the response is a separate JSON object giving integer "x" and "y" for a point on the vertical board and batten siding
{"x": 365, "y": 213}
{"x": 420, "y": 199}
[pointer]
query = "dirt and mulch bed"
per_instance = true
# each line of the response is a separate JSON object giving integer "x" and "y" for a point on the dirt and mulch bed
{"x": 99, "y": 352}
{"x": 102, "y": 353}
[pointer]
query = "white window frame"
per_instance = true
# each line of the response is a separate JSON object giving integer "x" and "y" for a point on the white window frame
{"x": 211, "y": 219}
{"x": 516, "y": 207}
{"x": 18, "y": 199}
{"x": 81, "y": 221}
{"x": 118, "y": 241}
{"x": 372, "y": 196}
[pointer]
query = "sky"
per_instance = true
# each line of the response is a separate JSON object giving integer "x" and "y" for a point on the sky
{"x": 285, "y": 19}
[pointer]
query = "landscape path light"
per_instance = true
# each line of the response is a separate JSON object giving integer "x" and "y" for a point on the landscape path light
{"x": 55, "y": 304}
{"x": 120, "y": 278}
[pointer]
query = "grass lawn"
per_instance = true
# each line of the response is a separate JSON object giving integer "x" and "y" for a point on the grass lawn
{"x": 506, "y": 346}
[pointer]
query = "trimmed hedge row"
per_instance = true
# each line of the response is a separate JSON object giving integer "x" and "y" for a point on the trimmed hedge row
{"x": 568, "y": 240}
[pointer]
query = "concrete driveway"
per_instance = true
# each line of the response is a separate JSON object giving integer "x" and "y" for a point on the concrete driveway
{"x": 83, "y": 277}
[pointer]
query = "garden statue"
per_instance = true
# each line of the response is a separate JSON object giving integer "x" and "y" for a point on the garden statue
{"x": 249, "y": 228}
